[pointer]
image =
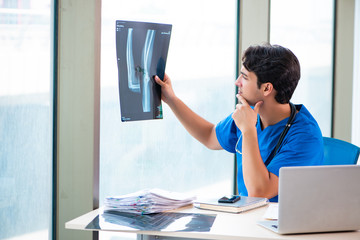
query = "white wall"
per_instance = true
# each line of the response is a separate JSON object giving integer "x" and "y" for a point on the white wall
{"x": 356, "y": 84}
{"x": 78, "y": 118}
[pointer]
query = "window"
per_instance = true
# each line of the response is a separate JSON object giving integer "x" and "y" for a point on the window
{"x": 201, "y": 63}
{"x": 25, "y": 119}
{"x": 306, "y": 28}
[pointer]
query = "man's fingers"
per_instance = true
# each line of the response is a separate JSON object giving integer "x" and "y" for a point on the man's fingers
{"x": 242, "y": 100}
{"x": 158, "y": 80}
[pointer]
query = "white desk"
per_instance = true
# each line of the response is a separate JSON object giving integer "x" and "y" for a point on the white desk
{"x": 226, "y": 226}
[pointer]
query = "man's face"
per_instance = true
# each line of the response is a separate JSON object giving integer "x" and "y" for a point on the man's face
{"x": 248, "y": 88}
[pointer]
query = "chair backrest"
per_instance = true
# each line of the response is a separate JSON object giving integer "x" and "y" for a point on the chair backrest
{"x": 339, "y": 152}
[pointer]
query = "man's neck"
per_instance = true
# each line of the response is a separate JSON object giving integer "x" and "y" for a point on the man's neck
{"x": 272, "y": 113}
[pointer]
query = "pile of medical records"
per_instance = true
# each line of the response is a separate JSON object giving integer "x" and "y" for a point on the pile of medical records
{"x": 148, "y": 201}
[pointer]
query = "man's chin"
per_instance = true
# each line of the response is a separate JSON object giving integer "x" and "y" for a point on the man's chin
{"x": 251, "y": 103}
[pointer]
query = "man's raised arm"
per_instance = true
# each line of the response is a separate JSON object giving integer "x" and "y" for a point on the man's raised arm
{"x": 197, "y": 126}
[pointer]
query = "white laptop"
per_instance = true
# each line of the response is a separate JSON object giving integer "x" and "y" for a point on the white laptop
{"x": 317, "y": 199}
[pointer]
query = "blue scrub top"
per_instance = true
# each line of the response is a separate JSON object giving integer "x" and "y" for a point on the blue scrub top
{"x": 302, "y": 145}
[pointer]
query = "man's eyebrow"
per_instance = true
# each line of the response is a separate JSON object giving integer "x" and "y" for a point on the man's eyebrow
{"x": 242, "y": 73}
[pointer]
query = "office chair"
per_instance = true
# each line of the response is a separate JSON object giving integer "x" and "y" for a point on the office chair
{"x": 339, "y": 152}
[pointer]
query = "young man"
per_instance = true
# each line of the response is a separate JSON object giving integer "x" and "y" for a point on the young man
{"x": 263, "y": 115}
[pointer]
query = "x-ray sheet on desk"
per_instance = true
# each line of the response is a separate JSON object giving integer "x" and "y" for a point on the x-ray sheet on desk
{"x": 141, "y": 50}
{"x": 166, "y": 222}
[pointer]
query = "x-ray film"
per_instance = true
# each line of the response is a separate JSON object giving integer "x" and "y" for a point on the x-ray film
{"x": 165, "y": 222}
{"x": 141, "y": 50}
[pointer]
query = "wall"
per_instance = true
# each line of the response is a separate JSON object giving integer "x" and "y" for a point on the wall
{"x": 343, "y": 82}
{"x": 78, "y": 112}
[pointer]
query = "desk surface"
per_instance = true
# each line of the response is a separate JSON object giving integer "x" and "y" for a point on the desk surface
{"x": 226, "y": 226}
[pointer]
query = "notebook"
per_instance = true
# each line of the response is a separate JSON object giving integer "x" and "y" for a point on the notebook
{"x": 317, "y": 199}
{"x": 244, "y": 204}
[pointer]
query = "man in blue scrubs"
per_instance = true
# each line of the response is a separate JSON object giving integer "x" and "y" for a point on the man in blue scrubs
{"x": 263, "y": 115}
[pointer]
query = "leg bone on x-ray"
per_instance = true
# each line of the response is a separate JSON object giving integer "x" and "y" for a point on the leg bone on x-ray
{"x": 136, "y": 74}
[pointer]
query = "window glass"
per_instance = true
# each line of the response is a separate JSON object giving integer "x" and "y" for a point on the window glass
{"x": 306, "y": 28}
{"x": 25, "y": 119}
{"x": 201, "y": 64}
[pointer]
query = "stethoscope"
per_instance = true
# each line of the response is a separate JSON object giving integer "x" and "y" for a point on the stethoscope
{"x": 282, "y": 135}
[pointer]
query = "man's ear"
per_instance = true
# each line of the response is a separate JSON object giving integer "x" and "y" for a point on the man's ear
{"x": 268, "y": 88}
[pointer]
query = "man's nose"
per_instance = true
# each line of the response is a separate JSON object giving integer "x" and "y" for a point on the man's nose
{"x": 238, "y": 81}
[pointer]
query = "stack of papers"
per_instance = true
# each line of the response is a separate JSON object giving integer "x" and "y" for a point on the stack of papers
{"x": 148, "y": 201}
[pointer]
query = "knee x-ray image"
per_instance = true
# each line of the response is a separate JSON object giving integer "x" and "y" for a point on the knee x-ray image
{"x": 142, "y": 50}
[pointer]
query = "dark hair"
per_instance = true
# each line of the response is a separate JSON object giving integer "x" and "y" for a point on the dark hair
{"x": 274, "y": 64}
